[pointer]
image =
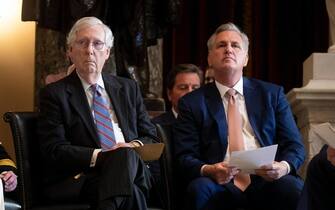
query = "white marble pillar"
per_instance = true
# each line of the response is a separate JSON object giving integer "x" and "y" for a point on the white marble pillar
{"x": 314, "y": 103}
{"x": 330, "y": 4}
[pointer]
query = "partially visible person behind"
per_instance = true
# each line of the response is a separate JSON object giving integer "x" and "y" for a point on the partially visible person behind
{"x": 209, "y": 75}
{"x": 319, "y": 189}
{"x": 89, "y": 121}
{"x": 236, "y": 113}
{"x": 182, "y": 79}
{"x": 7, "y": 171}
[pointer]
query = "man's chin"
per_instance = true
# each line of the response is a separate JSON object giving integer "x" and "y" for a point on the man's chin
{"x": 89, "y": 70}
{"x": 91, "y": 67}
{"x": 228, "y": 66}
{"x": 228, "y": 62}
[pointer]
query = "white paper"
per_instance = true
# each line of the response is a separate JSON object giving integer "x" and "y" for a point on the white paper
{"x": 249, "y": 160}
{"x": 326, "y": 132}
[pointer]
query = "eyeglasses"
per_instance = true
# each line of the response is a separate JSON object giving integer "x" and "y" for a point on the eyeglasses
{"x": 84, "y": 43}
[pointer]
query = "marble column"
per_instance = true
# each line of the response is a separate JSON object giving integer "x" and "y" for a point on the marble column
{"x": 330, "y": 4}
{"x": 314, "y": 103}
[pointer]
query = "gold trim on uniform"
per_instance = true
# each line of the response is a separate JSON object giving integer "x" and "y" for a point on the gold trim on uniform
{"x": 7, "y": 162}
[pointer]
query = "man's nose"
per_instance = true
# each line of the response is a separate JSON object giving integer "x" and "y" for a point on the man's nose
{"x": 89, "y": 48}
{"x": 228, "y": 48}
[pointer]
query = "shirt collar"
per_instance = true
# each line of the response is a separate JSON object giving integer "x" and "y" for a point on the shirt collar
{"x": 175, "y": 114}
{"x": 86, "y": 85}
{"x": 223, "y": 89}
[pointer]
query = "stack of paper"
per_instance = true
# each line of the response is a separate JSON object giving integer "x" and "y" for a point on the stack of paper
{"x": 249, "y": 160}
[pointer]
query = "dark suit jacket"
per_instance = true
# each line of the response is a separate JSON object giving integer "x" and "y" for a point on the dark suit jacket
{"x": 318, "y": 193}
{"x": 67, "y": 132}
{"x": 200, "y": 133}
{"x": 166, "y": 118}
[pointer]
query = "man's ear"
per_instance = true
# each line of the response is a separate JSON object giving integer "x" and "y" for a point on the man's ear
{"x": 69, "y": 52}
{"x": 69, "y": 49}
{"x": 246, "y": 60}
{"x": 209, "y": 60}
{"x": 168, "y": 94}
{"x": 107, "y": 53}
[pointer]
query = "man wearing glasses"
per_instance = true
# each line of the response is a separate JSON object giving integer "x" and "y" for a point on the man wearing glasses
{"x": 88, "y": 122}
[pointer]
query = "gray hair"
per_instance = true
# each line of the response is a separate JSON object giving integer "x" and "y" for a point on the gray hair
{"x": 228, "y": 27}
{"x": 88, "y": 22}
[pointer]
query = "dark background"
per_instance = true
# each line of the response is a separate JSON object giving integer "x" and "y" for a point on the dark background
{"x": 282, "y": 33}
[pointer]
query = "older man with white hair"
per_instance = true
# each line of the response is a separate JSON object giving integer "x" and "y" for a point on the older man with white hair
{"x": 88, "y": 123}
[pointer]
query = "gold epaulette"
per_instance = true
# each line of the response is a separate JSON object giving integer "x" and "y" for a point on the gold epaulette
{"x": 7, "y": 162}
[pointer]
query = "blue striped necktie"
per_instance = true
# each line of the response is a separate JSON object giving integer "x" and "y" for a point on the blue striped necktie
{"x": 102, "y": 119}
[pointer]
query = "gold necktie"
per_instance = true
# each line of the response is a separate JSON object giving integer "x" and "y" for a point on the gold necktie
{"x": 236, "y": 142}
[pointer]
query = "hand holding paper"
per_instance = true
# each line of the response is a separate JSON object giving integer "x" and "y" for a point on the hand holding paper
{"x": 272, "y": 171}
{"x": 220, "y": 172}
{"x": 249, "y": 160}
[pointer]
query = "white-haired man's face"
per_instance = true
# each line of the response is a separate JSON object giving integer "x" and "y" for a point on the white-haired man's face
{"x": 88, "y": 52}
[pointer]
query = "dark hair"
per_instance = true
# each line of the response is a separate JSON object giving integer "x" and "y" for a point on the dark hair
{"x": 182, "y": 68}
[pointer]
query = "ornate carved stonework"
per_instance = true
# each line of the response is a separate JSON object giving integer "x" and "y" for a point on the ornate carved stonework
{"x": 314, "y": 103}
{"x": 155, "y": 58}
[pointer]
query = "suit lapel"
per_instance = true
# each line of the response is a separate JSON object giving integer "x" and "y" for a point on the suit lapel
{"x": 78, "y": 100}
{"x": 216, "y": 109}
{"x": 117, "y": 97}
{"x": 254, "y": 106}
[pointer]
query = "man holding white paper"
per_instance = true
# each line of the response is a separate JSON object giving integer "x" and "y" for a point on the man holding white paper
{"x": 236, "y": 113}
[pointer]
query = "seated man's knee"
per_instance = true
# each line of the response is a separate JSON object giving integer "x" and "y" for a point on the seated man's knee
{"x": 288, "y": 190}
{"x": 200, "y": 186}
{"x": 119, "y": 156}
{"x": 205, "y": 193}
{"x": 288, "y": 184}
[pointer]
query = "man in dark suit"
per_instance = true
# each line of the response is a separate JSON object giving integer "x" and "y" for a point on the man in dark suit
{"x": 203, "y": 147}
{"x": 318, "y": 193}
{"x": 182, "y": 79}
{"x": 88, "y": 124}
